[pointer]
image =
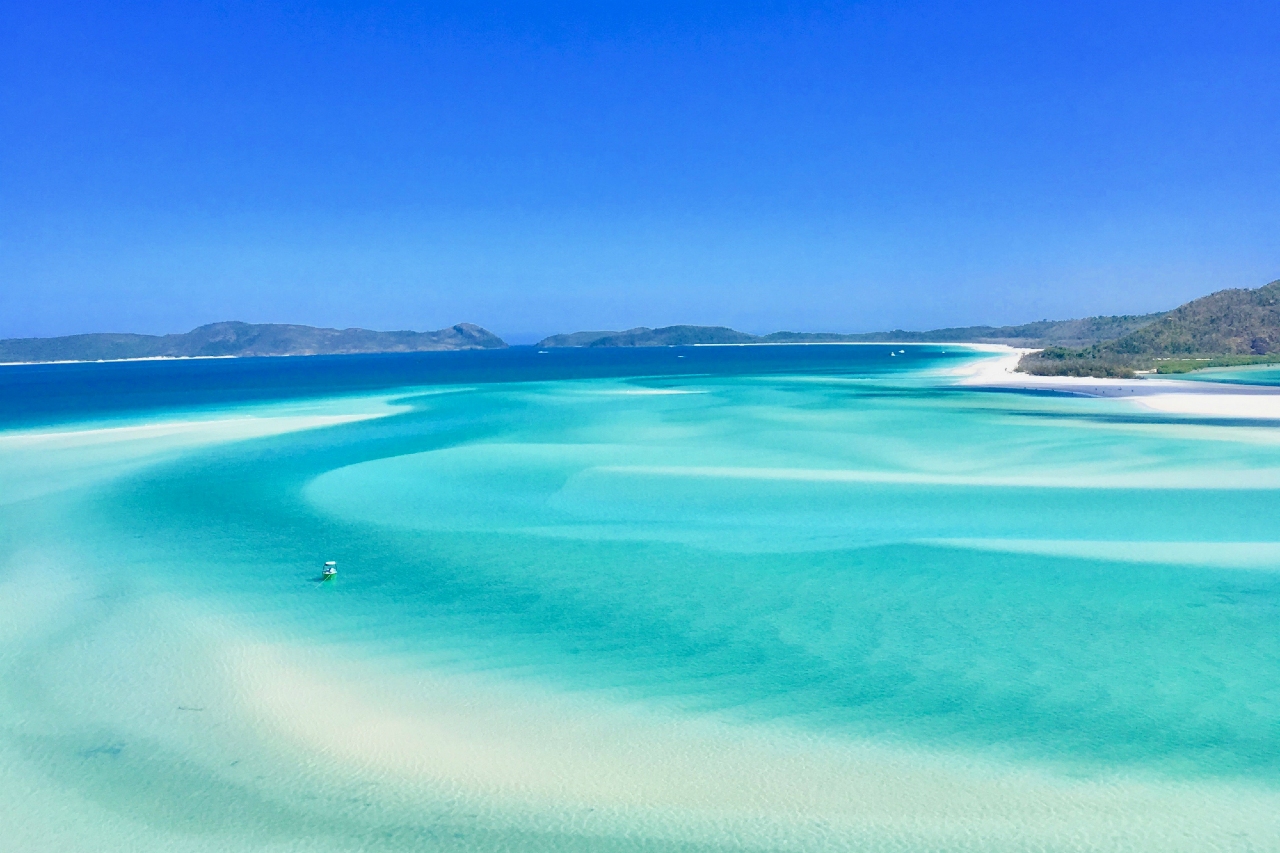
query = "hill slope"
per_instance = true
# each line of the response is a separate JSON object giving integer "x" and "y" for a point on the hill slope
{"x": 244, "y": 339}
{"x": 1230, "y": 326}
{"x": 1236, "y": 322}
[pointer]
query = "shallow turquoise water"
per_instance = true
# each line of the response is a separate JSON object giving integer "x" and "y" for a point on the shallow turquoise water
{"x": 836, "y": 554}
{"x": 1263, "y": 374}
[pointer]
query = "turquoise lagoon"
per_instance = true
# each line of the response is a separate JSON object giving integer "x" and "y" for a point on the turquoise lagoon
{"x": 748, "y": 598}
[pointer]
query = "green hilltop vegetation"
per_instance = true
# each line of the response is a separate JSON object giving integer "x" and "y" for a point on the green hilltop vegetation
{"x": 243, "y": 339}
{"x": 1223, "y": 329}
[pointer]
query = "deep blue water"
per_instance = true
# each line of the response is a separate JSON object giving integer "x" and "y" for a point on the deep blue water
{"x": 48, "y": 393}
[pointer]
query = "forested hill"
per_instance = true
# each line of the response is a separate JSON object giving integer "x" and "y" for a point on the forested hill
{"x": 1230, "y": 326}
{"x": 1237, "y": 322}
{"x": 646, "y": 337}
{"x": 1069, "y": 333}
{"x": 244, "y": 339}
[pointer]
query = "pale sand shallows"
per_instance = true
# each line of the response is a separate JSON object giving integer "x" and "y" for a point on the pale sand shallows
{"x": 574, "y": 763}
{"x": 36, "y": 462}
{"x": 189, "y": 432}
{"x": 305, "y": 733}
{"x": 1257, "y": 556}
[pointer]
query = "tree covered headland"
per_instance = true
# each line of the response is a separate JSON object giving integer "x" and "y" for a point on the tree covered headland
{"x": 1223, "y": 329}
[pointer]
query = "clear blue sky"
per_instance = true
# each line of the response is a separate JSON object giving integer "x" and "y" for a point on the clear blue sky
{"x": 550, "y": 166}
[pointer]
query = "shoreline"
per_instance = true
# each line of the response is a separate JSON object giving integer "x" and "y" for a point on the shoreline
{"x": 1184, "y": 397}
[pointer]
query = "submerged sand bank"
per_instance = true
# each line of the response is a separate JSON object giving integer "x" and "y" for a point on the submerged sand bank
{"x": 42, "y": 460}
{"x": 340, "y": 750}
{"x": 588, "y": 764}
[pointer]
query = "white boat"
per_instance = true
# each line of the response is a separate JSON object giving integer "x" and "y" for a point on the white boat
{"x": 330, "y": 569}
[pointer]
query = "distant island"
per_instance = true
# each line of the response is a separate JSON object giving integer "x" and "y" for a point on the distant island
{"x": 1230, "y": 327}
{"x": 244, "y": 339}
{"x": 1043, "y": 333}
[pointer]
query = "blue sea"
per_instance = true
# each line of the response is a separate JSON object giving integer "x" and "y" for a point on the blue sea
{"x": 671, "y": 599}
